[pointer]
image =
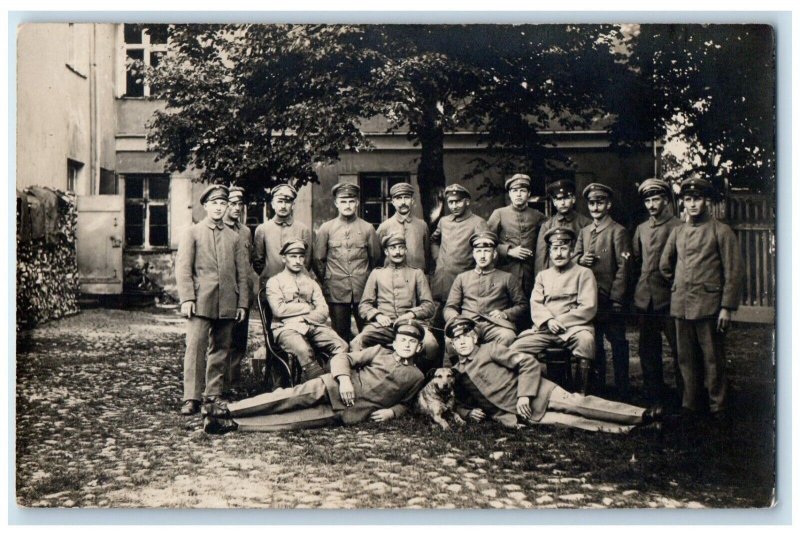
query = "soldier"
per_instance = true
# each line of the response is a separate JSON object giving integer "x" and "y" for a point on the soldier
{"x": 506, "y": 386}
{"x": 414, "y": 230}
{"x": 233, "y": 363}
{"x": 450, "y": 245}
{"x": 652, "y": 290}
{"x": 604, "y": 246}
{"x": 300, "y": 314}
{"x": 563, "y": 306}
{"x": 211, "y": 274}
{"x": 274, "y": 233}
{"x": 517, "y": 225}
{"x": 346, "y": 250}
{"x": 490, "y": 297}
{"x": 395, "y": 292}
{"x": 703, "y": 260}
{"x": 377, "y": 383}
{"x": 562, "y": 195}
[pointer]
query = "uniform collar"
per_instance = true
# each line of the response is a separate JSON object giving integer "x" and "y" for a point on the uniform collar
{"x": 465, "y": 359}
{"x": 401, "y": 361}
{"x": 403, "y": 219}
{"x": 347, "y": 220}
{"x": 397, "y": 266}
{"x": 467, "y": 214}
{"x": 567, "y": 267}
{"x": 568, "y": 217}
{"x": 211, "y": 224}
{"x": 605, "y": 223}
{"x": 703, "y": 218}
{"x": 283, "y": 222}
{"x": 484, "y": 272}
{"x": 520, "y": 210}
{"x": 235, "y": 224}
{"x": 661, "y": 220}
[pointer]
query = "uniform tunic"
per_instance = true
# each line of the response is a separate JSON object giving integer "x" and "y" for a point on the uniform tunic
{"x": 516, "y": 227}
{"x": 344, "y": 253}
{"x": 417, "y": 238}
{"x": 475, "y": 293}
{"x": 568, "y": 295}
{"x": 451, "y": 237}
{"x": 269, "y": 239}
{"x": 611, "y": 246}
{"x": 296, "y": 301}
{"x": 648, "y": 244}
{"x": 394, "y": 291}
{"x": 573, "y": 220}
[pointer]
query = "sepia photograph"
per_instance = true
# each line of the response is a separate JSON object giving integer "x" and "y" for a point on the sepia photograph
{"x": 395, "y": 266}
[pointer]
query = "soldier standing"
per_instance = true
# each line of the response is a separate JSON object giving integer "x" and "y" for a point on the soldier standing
{"x": 516, "y": 226}
{"x": 703, "y": 259}
{"x": 405, "y": 224}
{"x": 604, "y": 246}
{"x": 346, "y": 250}
{"x": 652, "y": 290}
{"x": 274, "y": 233}
{"x": 211, "y": 274}
{"x": 562, "y": 195}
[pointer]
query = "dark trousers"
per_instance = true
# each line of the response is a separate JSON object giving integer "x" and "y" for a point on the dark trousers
{"x": 652, "y": 323}
{"x": 233, "y": 363}
{"x": 612, "y": 327}
{"x": 340, "y": 319}
{"x": 701, "y": 356}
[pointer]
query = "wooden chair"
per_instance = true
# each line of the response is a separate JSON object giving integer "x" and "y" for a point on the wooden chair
{"x": 277, "y": 368}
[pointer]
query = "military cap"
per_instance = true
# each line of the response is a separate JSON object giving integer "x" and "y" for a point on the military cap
{"x": 212, "y": 192}
{"x": 520, "y": 179}
{"x": 597, "y": 190}
{"x": 562, "y": 186}
{"x": 409, "y": 327}
{"x": 456, "y": 189}
{"x": 345, "y": 189}
{"x": 284, "y": 190}
{"x": 294, "y": 246}
{"x": 401, "y": 188}
{"x": 559, "y": 236}
{"x": 483, "y": 239}
{"x": 393, "y": 240}
{"x": 235, "y": 193}
{"x": 458, "y": 325}
{"x": 696, "y": 185}
{"x": 650, "y": 187}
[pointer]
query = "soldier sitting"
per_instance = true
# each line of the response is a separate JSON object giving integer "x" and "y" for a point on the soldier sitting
{"x": 506, "y": 385}
{"x": 490, "y": 297}
{"x": 396, "y": 292}
{"x": 377, "y": 383}
{"x": 300, "y": 313}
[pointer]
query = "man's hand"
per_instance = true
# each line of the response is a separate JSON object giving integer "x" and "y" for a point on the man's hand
{"x": 616, "y": 307}
{"x": 383, "y": 320}
{"x": 406, "y": 316}
{"x": 381, "y": 415}
{"x": 240, "y": 314}
{"x": 476, "y": 415}
{"x": 524, "y": 407}
{"x": 555, "y": 327}
{"x": 724, "y": 320}
{"x": 346, "y": 391}
{"x": 497, "y": 314}
{"x": 520, "y": 253}
{"x": 188, "y": 309}
{"x": 588, "y": 259}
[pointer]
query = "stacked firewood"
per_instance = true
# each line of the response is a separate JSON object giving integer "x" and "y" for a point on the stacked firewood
{"x": 47, "y": 267}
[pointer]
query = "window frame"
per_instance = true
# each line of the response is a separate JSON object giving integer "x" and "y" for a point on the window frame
{"x": 385, "y": 178}
{"x": 147, "y": 49}
{"x": 146, "y": 203}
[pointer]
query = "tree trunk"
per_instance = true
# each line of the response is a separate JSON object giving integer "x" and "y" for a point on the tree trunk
{"x": 430, "y": 172}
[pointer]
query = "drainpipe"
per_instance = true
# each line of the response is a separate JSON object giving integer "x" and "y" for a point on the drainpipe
{"x": 93, "y": 104}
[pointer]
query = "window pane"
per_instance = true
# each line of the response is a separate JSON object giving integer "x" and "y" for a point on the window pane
{"x": 134, "y": 186}
{"x": 158, "y": 214}
{"x": 372, "y": 213}
{"x": 133, "y": 34}
{"x": 134, "y": 224}
{"x": 158, "y": 33}
{"x": 370, "y": 187}
{"x": 158, "y": 187}
{"x": 108, "y": 182}
{"x": 134, "y": 78}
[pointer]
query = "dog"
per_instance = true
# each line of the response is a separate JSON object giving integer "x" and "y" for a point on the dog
{"x": 437, "y": 398}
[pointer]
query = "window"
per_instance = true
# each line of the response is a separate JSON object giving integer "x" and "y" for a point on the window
{"x": 108, "y": 182}
{"x": 376, "y": 204}
{"x": 146, "y": 44}
{"x": 74, "y": 169}
{"x": 147, "y": 210}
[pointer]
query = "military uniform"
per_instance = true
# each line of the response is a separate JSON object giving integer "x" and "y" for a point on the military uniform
{"x": 233, "y": 363}
{"x": 211, "y": 270}
{"x": 610, "y": 243}
{"x": 652, "y": 294}
{"x": 572, "y": 220}
{"x": 394, "y": 291}
{"x": 493, "y": 377}
{"x": 475, "y": 293}
{"x": 517, "y": 227}
{"x": 346, "y": 250}
{"x": 703, "y": 260}
{"x": 270, "y": 237}
{"x": 413, "y": 229}
{"x": 381, "y": 380}
{"x": 300, "y": 315}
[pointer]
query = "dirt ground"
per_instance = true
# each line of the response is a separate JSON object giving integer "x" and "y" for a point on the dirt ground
{"x": 97, "y": 426}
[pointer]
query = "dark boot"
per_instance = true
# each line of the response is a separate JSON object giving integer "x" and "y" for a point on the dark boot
{"x": 583, "y": 376}
{"x": 214, "y": 406}
{"x": 621, "y": 354}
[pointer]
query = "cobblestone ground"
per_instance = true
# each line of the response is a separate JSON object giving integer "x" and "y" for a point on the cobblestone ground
{"x": 97, "y": 426}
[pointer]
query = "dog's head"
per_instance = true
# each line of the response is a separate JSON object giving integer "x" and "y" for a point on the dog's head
{"x": 443, "y": 380}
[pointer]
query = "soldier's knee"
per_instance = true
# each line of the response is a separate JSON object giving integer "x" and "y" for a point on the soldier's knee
{"x": 584, "y": 345}
{"x": 506, "y": 337}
